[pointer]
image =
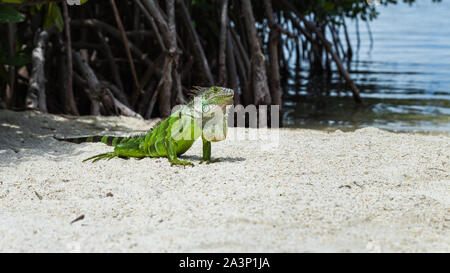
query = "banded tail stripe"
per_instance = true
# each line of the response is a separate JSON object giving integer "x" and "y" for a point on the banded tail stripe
{"x": 108, "y": 140}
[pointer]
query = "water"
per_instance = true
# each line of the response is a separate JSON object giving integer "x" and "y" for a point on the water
{"x": 404, "y": 79}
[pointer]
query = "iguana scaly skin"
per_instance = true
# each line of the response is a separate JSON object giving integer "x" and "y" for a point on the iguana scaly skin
{"x": 203, "y": 117}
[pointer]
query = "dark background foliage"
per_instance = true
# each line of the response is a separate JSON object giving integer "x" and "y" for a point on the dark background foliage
{"x": 141, "y": 57}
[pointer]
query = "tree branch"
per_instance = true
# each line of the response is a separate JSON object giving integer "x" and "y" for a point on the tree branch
{"x": 35, "y": 98}
{"x": 70, "y": 100}
{"x": 126, "y": 44}
{"x": 198, "y": 49}
{"x": 222, "y": 41}
{"x": 328, "y": 47}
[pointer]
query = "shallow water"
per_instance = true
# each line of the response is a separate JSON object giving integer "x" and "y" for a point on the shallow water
{"x": 404, "y": 79}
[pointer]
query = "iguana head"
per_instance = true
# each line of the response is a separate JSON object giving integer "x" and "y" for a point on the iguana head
{"x": 216, "y": 96}
{"x": 207, "y": 110}
{"x": 208, "y": 101}
{"x": 214, "y": 101}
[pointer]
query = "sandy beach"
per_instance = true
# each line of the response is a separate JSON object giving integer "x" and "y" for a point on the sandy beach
{"x": 311, "y": 191}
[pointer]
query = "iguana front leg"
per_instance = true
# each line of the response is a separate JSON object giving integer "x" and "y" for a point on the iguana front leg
{"x": 172, "y": 155}
{"x": 207, "y": 152}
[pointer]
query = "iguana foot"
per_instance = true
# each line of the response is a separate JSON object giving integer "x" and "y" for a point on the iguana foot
{"x": 101, "y": 156}
{"x": 181, "y": 162}
{"x": 209, "y": 161}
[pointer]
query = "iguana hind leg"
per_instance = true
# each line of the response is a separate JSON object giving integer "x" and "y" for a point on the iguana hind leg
{"x": 101, "y": 156}
{"x": 129, "y": 148}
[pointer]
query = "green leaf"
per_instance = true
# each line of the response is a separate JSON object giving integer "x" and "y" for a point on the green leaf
{"x": 328, "y": 6}
{"x": 20, "y": 60}
{"x": 53, "y": 17}
{"x": 12, "y": 1}
{"x": 10, "y": 15}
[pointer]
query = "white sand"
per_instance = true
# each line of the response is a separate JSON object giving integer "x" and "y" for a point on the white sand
{"x": 363, "y": 191}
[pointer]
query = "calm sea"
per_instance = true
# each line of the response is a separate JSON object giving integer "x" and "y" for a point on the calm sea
{"x": 404, "y": 78}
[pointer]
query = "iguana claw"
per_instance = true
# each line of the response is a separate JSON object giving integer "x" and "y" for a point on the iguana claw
{"x": 209, "y": 161}
{"x": 181, "y": 163}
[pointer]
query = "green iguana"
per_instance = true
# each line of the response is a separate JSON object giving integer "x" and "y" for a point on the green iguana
{"x": 203, "y": 116}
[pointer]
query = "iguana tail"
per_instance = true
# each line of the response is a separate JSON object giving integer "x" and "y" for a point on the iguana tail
{"x": 108, "y": 140}
{"x": 129, "y": 147}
